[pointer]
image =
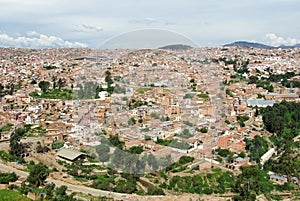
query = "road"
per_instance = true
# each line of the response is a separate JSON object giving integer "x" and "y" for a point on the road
{"x": 84, "y": 189}
{"x": 117, "y": 196}
{"x": 71, "y": 187}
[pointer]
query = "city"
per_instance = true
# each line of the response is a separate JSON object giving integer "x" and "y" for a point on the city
{"x": 211, "y": 123}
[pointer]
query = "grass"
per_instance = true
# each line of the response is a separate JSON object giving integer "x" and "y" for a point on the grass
{"x": 37, "y": 131}
{"x": 143, "y": 90}
{"x": 6, "y": 128}
{"x": 12, "y": 196}
{"x": 204, "y": 96}
{"x": 65, "y": 94}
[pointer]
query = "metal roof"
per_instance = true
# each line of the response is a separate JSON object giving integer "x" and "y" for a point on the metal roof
{"x": 69, "y": 154}
{"x": 260, "y": 102}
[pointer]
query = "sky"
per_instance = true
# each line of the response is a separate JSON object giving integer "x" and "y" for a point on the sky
{"x": 90, "y": 23}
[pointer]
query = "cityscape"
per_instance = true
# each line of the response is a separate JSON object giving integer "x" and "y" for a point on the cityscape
{"x": 138, "y": 108}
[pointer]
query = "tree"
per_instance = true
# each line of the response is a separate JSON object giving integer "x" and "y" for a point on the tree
{"x": 136, "y": 150}
{"x": 16, "y": 147}
{"x": 131, "y": 121}
{"x": 60, "y": 83}
{"x": 5, "y": 178}
{"x": 251, "y": 182}
{"x": 11, "y": 91}
{"x": 44, "y": 86}
{"x": 203, "y": 130}
{"x": 37, "y": 175}
{"x": 49, "y": 189}
{"x": 61, "y": 191}
{"x": 54, "y": 82}
{"x": 108, "y": 79}
{"x": 155, "y": 191}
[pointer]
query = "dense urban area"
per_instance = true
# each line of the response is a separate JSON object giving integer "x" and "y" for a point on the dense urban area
{"x": 219, "y": 123}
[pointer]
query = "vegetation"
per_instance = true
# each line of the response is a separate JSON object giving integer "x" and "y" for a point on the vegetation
{"x": 11, "y": 195}
{"x": 114, "y": 140}
{"x": 155, "y": 191}
{"x": 256, "y": 147}
{"x": 185, "y": 134}
{"x": 251, "y": 182}
{"x": 131, "y": 121}
{"x": 216, "y": 182}
{"x": 203, "y": 96}
{"x": 5, "y": 178}
{"x": 154, "y": 115}
{"x": 17, "y": 148}
{"x": 143, "y": 90}
{"x": 203, "y": 130}
{"x": 229, "y": 93}
{"x": 283, "y": 121}
{"x": 6, "y": 128}
{"x": 7, "y": 156}
{"x": 136, "y": 150}
{"x": 49, "y": 67}
{"x": 44, "y": 86}
{"x": 57, "y": 145}
{"x": 37, "y": 175}
{"x": 242, "y": 119}
{"x": 65, "y": 94}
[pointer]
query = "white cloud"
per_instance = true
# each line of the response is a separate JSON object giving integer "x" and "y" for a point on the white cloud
{"x": 36, "y": 40}
{"x": 87, "y": 28}
{"x": 275, "y": 40}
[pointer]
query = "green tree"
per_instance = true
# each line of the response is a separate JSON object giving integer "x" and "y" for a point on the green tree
{"x": 16, "y": 147}
{"x": 131, "y": 121}
{"x": 60, "y": 83}
{"x": 44, "y": 86}
{"x": 37, "y": 175}
{"x": 49, "y": 190}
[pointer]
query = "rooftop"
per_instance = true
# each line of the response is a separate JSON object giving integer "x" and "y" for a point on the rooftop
{"x": 69, "y": 154}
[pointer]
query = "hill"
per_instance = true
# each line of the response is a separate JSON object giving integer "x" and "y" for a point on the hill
{"x": 259, "y": 45}
{"x": 176, "y": 47}
{"x": 249, "y": 44}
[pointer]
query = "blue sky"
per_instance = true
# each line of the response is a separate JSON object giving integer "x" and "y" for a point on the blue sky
{"x": 66, "y": 23}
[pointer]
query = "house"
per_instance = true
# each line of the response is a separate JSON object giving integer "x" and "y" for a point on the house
{"x": 278, "y": 179}
{"x": 70, "y": 155}
{"x": 260, "y": 103}
{"x": 267, "y": 156}
{"x": 205, "y": 165}
{"x": 241, "y": 161}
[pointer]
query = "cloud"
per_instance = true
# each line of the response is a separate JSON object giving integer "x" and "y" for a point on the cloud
{"x": 150, "y": 21}
{"x": 32, "y": 33}
{"x": 275, "y": 40}
{"x": 36, "y": 40}
{"x": 87, "y": 28}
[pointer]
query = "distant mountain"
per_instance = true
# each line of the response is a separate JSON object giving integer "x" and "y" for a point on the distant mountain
{"x": 249, "y": 44}
{"x": 289, "y": 46}
{"x": 259, "y": 45}
{"x": 176, "y": 47}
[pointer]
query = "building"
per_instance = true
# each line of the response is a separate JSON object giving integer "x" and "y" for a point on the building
{"x": 278, "y": 179}
{"x": 70, "y": 155}
{"x": 267, "y": 156}
{"x": 260, "y": 103}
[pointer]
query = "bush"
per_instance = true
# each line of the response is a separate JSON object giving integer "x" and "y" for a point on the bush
{"x": 57, "y": 145}
{"x": 155, "y": 191}
{"x": 5, "y": 178}
{"x": 186, "y": 159}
